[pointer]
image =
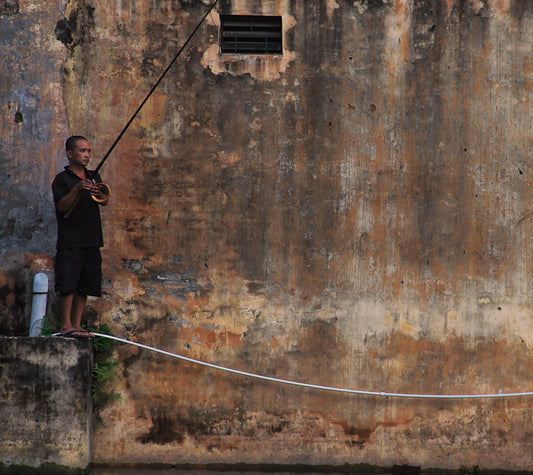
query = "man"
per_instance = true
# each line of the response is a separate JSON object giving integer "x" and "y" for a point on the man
{"x": 78, "y": 267}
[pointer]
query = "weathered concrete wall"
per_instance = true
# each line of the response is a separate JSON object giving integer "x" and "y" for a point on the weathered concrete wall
{"x": 45, "y": 402}
{"x": 32, "y": 129}
{"x": 355, "y": 212}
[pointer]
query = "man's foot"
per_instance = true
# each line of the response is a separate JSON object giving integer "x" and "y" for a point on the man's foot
{"x": 74, "y": 333}
{"x": 85, "y": 333}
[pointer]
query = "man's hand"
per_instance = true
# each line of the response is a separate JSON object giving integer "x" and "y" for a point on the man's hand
{"x": 85, "y": 185}
{"x": 72, "y": 198}
{"x": 100, "y": 193}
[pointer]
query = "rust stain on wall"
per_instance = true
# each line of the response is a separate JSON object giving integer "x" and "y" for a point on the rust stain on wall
{"x": 355, "y": 212}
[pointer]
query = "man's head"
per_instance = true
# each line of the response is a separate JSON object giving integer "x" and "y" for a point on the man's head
{"x": 71, "y": 142}
{"x": 78, "y": 150}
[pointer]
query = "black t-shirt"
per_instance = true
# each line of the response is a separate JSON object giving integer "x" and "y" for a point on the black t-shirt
{"x": 83, "y": 228}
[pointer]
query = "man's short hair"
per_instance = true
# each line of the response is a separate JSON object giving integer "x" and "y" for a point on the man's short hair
{"x": 71, "y": 142}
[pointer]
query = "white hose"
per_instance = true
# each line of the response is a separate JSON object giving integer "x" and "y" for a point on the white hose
{"x": 315, "y": 386}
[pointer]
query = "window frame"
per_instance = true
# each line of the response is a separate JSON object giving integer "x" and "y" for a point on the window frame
{"x": 251, "y": 35}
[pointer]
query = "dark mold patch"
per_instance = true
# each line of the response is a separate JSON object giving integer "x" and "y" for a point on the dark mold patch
{"x": 9, "y": 7}
{"x": 162, "y": 431}
{"x": 521, "y": 8}
{"x": 148, "y": 67}
{"x": 12, "y": 321}
{"x": 374, "y": 4}
{"x": 356, "y": 437}
{"x": 202, "y": 421}
{"x": 78, "y": 26}
{"x": 133, "y": 265}
{"x": 257, "y": 287}
{"x": 63, "y": 32}
{"x": 4, "y": 292}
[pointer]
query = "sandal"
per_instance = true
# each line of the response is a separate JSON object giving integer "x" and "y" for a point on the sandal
{"x": 74, "y": 333}
{"x": 85, "y": 333}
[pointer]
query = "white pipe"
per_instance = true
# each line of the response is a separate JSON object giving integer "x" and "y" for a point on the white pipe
{"x": 38, "y": 305}
{"x": 500, "y": 394}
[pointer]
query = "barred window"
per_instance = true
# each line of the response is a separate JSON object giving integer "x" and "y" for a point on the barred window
{"x": 249, "y": 34}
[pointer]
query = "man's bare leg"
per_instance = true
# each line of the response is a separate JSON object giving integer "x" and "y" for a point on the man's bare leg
{"x": 66, "y": 307}
{"x": 72, "y": 307}
{"x": 78, "y": 305}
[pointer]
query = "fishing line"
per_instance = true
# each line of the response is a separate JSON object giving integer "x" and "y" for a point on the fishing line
{"x": 154, "y": 87}
{"x": 316, "y": 386}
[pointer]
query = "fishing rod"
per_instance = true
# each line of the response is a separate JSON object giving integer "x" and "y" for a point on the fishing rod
{"x": 104, "y": 188}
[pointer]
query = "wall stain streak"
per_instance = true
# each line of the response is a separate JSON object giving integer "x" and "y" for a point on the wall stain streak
{"x": 355, "y": 212}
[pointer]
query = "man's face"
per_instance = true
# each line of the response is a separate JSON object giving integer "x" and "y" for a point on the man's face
{"x": 81, "y": 154}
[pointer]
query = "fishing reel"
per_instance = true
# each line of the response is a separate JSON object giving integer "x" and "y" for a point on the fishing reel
{"x": 103, "y": 193}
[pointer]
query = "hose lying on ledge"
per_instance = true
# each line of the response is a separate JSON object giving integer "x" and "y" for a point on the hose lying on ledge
{"x": 315, "y": 386}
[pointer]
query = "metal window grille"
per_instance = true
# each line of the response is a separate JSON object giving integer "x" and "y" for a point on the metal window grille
{"x": 248, "y": 34}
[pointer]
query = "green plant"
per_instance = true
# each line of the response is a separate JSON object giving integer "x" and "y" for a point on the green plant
{"x": 102, "y": 373}
{"x": 103, "y": 347}
{"x": 104, "y": 369}
{"x": 47, "y": 327}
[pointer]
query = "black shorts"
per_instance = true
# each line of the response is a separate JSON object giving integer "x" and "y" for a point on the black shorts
{"x": 79, "y": 270}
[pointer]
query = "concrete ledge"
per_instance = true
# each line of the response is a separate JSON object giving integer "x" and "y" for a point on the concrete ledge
{"x": 45, "y": 402}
